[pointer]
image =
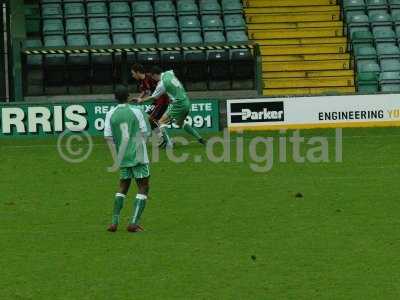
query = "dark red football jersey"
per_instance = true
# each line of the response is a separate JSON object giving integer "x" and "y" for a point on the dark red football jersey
{"x": 148, "y": 85}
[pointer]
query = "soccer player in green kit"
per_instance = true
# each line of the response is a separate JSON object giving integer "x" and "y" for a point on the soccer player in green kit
{"x": 126, "y": 130}
{"x": 180, "y": 105}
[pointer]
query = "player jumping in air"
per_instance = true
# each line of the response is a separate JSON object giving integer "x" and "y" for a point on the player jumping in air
{"x": 126, "y": 131}
{"x": 147, "y": 86}
{"x": 179, "y": 108}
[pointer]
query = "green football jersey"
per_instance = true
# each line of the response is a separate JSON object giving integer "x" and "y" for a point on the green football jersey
{"x": 171, "y": 85}
{"x": 129, "y": 128}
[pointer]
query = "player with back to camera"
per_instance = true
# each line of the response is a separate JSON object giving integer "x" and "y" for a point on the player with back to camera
{"x": 147, "y": 86}
{"x": 179, "y": 107}
{"x": 126, "y": 131}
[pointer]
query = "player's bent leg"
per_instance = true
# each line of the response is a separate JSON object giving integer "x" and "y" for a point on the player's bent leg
{"x": 181, "y": 117}
{"x": 142, "y": 175}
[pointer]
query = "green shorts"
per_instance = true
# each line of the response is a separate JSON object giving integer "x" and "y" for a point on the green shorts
{"x": 178, "y": 112}
{"x": 139, "y": 171}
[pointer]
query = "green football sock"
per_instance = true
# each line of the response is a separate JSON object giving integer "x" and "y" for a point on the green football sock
{"x": 118, "y": 204}
{"x": 140, "y": 204}
{"x": 164, "y": 132}
{"x": 189, "y": 129}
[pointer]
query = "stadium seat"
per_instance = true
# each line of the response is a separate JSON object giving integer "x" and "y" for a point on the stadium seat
{"x": 121, "y": 25}
{"x": 384, "y": 35}
{"x": 98, "y": 25}
{"x": 53, "y": 27}
{"x": 75, "y": 26}
{"x": 367, "y": 83}
{"x": 387, "y": 50}
{"x": 74, "y": 10}
{"x": 351, "y": 5}
{"x": 394, "y": 4}
{"x": 396, "y": 18}
{"x": 390, "y": 65}
{"x": 390, "y": 88}
{"x": 97, "y": 9}
{"x": 389, "y": 78}
{"x": 358, "y": 20}
{"x": 191, "y": 38}
{"x": 365, "y": 52}
{"x": 189, "y": 23}
{"x": 142, "y": 9}
{"x": 123, "y": 39}
{"x": 232, "y": 7}
{"x": 236, "y": 36}
{"x": 166, "y": 24}
{"x": 211, "y": 22}
{"x": 51, "y": 1}
{"x": 361, "y": 36}
{"x": 380, "y": 19}
{"x": 187, "y": 7}
{"x": 78, "y": 59}
{"x": 120, "y": 9}
{"x": 170, "y": 59}
{"x": 210, "y": 7}
{"x": 164, "y": 8}
{"x": 377, "y": 4}
{"x": 147, "y": 58}
{"x": 368, "y": 66}
{"x": 33, "y": 60}
{"x": 144, "y": 24}
{"x": 234, "y": 22}
{"x": 52, "y": 11}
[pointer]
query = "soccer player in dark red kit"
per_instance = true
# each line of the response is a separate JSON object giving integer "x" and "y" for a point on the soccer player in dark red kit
{"x": 147, "y": 86}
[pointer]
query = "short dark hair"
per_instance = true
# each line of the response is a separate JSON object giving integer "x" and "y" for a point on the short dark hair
{"x": 138, "y": 68}
{"x": 156, "y": 70}
{"x": 121, "y": 93}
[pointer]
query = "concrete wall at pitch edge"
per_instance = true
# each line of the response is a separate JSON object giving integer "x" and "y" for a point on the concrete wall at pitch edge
{"x": 314, "y": 112}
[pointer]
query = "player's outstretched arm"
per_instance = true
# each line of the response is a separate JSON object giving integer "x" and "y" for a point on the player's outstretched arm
{"x": 159, "y": 91}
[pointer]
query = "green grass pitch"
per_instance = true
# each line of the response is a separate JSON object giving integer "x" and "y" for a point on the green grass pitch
{"x": 213, "y": 230}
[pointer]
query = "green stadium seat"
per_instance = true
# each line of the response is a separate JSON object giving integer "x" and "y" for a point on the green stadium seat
{"x": 101, "y": 40}
{"x": 396, "y": 17}
{"x": 211, "y": 22}
{"x": 377, "y": 5}
{"x": 237, "y": 36}
{"x": 398, "y": 32}
{"x": 166, "y": 24}
{"x": 378, "y": 18}
{"x": 384, "y": 35}
{"x": 120, "y": 25}
{"x": 232, "y": 7}
{"x": 54, "y": 41}
{"x": 75, "y": 26}
{"x": 144, "y": 24}
{"x": 53, "y": 27}
{"x": 365, "y": 52}
{"x": 73, "y": 1}
{"x": 358, "y": 20}
{"x": 390, "y": 88}
{"x": 97, "y": 9}
{"x": 78, "y": 58}
{"x": 123, "y": 39}
{"x": 51, "y": 1}
{"x": 120, "y": 9}
{"x": 389, "y": 78}
{"x": 187, "y": 7}
{"x": 349, "y": 5}
{"x": 387, "y": 50}
{"x": 142, "y": 9}
{"x": 189, "y": 23}
{"x": 214, "y": 37}
{"x": 234, "y": 22}
{"x": 390, "y": 65}
{"x": 361, "y": 36}
{"x": 52, "y": 11}
{"x": 191, "y": 38}
{"x": 147, "y": 57}
{"x": 164, "y": 8}
{"x": 368, "y": 66}
{"x": 394, "y": 4}
{"x": 168, "y": 38}
{"x": 98, "y": 25}
{"x": 33, "y": 60}
{"x": 349, "y": 14}
{"x": 74, "y": 10}
{"x": 146, "y": 38}
{"x": 367, "y": 83}
{"x": 209, "y": 7}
